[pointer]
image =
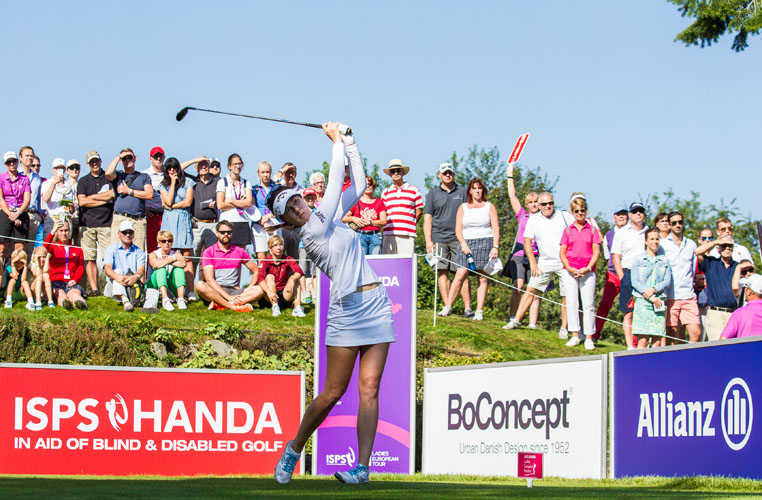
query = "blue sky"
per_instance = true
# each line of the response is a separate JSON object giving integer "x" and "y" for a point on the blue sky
{"x": 615, "y": 107}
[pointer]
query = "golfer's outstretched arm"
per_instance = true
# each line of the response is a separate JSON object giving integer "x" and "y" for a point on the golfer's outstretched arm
{"x": 357, "y": 180}
{"x": 328, "y": 208}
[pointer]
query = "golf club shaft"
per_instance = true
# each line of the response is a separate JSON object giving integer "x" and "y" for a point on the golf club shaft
{"x": 305, "y": 124}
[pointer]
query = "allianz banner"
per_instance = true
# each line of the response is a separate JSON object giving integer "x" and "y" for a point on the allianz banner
{"x": 476, "y": 419}
{"x": 124, "y": 421}
{"x": 688, "y": 410}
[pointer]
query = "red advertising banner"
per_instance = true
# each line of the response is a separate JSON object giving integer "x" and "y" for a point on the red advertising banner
{"x": 124, "y": 421}
{"x": 530, "y": 465}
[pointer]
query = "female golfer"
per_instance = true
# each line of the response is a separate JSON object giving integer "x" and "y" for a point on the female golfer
{"x": 359, "y": 314}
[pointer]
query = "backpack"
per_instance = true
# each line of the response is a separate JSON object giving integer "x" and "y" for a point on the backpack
{"x": 136, "y": 293}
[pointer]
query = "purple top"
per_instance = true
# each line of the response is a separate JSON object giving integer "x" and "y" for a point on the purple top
{"x": 610, "y": 241}
{"x": 744, "y": 322}
{"x": 523, "y": 217}
{"x": 13, "y": 191}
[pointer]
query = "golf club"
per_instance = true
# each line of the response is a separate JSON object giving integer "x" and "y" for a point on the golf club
{"x": 344, "y": 129}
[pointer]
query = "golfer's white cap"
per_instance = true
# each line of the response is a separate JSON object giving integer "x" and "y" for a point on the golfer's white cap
{"x": 279, "y": 206}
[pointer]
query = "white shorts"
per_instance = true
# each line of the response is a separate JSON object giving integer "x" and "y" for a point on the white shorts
{"x": 542, "y": 281}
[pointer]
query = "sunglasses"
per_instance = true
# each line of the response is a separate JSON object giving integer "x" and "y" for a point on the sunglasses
{"x": 128, "y": 158}
{"x": 225, "y": 232}
{"x": 158, "y": 157}
{"x": 173, "y": 167}
{"x": 580, "y": 211}
{"x": 676, "y": 222}
{"x": 725, "y": 247}
{"x": 71, "y": 168}
{"x": 36, "y": 165}
{"x": 214, "y": 165}
{"x": 707, "y": 238}
{"x": 548, "y": 204}
{"x": 165, "y": 241}
{"x": 395, "y": 170}
{"x": 128, "y": 232}
{"x": 748, "y": 270}
{"x": 11, "y": 162}
{"x": 447, "y": 173}
{"x": 638, "y": 211}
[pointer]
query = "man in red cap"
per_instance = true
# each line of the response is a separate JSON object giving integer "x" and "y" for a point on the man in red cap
{"x": 154, "y": 208}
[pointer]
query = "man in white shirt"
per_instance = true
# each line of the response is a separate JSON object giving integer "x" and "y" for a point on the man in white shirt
{"x": 682, "y": 304}
{"x": 725, "y": 228}
{"x": 629, "y": 242}
{"x": 546, "y": 228}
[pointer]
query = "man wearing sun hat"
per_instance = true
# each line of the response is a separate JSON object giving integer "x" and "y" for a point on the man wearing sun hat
{"x": 404, "y": 206}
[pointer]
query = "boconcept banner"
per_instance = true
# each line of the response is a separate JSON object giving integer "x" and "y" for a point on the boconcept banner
{"x": 335, "y": 443}
{"x": 124, "y": 421}
{"x": 476, "y": 419}
{"x": 688, "y": 410}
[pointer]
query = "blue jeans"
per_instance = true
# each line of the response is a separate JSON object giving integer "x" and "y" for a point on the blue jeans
{"x": 370, "y": 242}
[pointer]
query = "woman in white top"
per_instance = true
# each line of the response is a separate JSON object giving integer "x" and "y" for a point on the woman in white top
{"x": 233, "y": 199}
{"x": 359, "y": 314}
{"x": 478, "y": 235}
{"x": 58, "y": 196}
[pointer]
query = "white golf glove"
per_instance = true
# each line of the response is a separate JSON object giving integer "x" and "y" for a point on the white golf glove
{"x": 346, "y": 135}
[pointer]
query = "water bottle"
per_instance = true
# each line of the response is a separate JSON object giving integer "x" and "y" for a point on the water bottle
{"x": 470, "y": 261}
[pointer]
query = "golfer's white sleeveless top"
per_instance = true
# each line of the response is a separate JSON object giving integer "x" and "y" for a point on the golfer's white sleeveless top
{"x": 329, "y": 243}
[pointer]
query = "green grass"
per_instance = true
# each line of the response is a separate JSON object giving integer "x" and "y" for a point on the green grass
{"x": 416, "y": 487}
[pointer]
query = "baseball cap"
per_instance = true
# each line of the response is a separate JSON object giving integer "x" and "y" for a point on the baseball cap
{"x": 72, "y": 162}
{"x": 635, "y": 205}
{"x": 156, "y": 150}
{"x": 91, "y": 155}
{"x": 126, "y": 225}
{"x": 309, "y": 191}
{"x": 213, "y": 159}
{"x": 446, "y": 167}
{"x": 10, "y": 155}
{"x": 59, "y": 163}
{"x": 753, "y": 282}
{"x": 621, "y": 208}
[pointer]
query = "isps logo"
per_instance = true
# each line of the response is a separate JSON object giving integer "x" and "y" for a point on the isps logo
{"x": 737, "y": 413}
{"x": 345, "y": 460}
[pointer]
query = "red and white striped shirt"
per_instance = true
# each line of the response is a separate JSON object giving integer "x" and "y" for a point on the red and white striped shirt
{"x": 401, "y": 204}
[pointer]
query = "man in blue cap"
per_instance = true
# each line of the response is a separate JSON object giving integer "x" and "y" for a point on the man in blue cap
{"x": 611, "y": 289}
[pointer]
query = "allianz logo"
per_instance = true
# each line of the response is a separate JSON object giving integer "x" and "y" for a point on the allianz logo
{"x": 663, "y": 415}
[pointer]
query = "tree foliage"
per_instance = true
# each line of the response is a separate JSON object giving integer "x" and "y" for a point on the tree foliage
{"x": 714, "y": 18}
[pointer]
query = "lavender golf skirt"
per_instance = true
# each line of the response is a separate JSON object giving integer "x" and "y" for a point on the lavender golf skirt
{"x": 360, "y": 318}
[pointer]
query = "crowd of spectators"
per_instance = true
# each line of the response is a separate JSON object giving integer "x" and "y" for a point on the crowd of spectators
{"x": 152, "y": 228}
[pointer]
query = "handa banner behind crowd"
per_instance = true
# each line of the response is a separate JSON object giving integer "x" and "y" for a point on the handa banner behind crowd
{"x": 687, "y": 411}
{"x": 125, "y": 421}
{"x": 335, "y": 443}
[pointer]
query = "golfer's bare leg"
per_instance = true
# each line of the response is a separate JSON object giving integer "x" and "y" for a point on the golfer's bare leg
{"x": 340, "y": 363}
{"x": 372, "y": 361}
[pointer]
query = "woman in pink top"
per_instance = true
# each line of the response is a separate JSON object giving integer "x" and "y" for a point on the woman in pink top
{"x": 580, "y": 248}
{"x": 518, "y": 266}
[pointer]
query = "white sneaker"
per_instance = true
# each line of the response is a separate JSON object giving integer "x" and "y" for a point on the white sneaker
{"x": 276, "y": 310}
{"x": 563, "y": 334}
{"x": 478, "y": 315}
{"x": 511, "y": 325}
{"x": 298, "y": 312}
{"x": 30, "y": 306}
{"x": 192, "y": 297}
{"x": 446, "y": 311}
{"x": 531, "y": 326}
{"x": 589, "y": 344}
{"x": 128, "y": 306}
{"x": 573, "y": 342}
{"x": 167, "y": 305}
{"x": 8, "y": 303}
{"x": 468, "y": 313}
{"x": 357, "y": 475}
{"x": 181, "y": 304}
{"x": 284, "y": 469}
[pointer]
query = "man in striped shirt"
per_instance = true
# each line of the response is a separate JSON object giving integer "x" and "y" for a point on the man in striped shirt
{"x": 404, "y": 206}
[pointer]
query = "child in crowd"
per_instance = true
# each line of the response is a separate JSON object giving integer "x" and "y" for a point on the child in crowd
{"x": 40, "y": 267}
{"x": 310, "y": 196}
{"x": 279, "y": 278}
{"x": 16, "y": 275}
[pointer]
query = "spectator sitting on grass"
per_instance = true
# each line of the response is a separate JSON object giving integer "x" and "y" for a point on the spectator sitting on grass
{"x": 16, "y": 276}
{"x": 124, "y": 263}
{"x": 279, "y": 278}
{"x": 221, "y": 264}
{"x": 67, "y": 266}
{"x": 40, "y": 267}
{"x": 168, "y": 271}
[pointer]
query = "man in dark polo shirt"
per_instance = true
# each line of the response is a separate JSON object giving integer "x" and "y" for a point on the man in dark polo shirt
{"x": 132, "y": 189}
{"x": 203, "y": 210}
{"x": 719, "y": 284}
{"x": 95, "y": 195}
{"x": 439, "y": 212}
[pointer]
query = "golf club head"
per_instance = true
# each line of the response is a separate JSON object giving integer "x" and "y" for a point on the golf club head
{"x": 181, "y": 114}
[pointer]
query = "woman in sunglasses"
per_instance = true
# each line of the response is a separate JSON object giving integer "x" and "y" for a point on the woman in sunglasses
{"x": 744, "y": 269}
{"x": 168, "y": 271}
{"x": 359, "y": 314}
{"x": 176, "y": 192}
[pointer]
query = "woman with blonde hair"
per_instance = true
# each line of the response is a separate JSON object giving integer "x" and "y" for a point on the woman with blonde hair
{"x": 40, "y": 267}
{"x": 580, "y": 249}
{"x": 168, "y": 271}
{"x": 67, "y": 265}
{"x": 16, "y": 275}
